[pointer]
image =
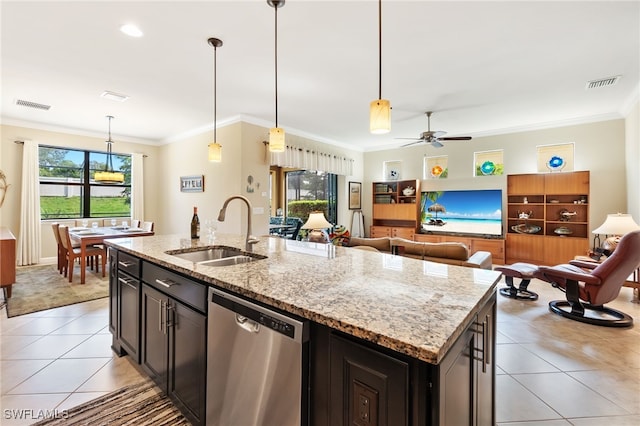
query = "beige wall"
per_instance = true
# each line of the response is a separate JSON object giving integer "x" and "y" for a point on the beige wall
{"x": 599, "y": 148}
{"x": 11, "y": 164}
{"x": 632, "y": 149}
{"x": 243, "y": 154}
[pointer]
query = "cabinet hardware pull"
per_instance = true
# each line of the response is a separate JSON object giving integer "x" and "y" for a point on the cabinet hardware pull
{"x": 127, "y": 282}
{"x": 484, "y": 346}
{"x": 167, "y": 283}
{"x": 125, "y": 264}
{"x": 487, "y": 340}
{"x": 160, "y": 322}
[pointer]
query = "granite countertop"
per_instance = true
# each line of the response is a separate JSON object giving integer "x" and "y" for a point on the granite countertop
{"x": 412, "y": 306}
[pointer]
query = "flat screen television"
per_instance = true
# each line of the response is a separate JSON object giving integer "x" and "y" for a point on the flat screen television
{"x": 471, "y": 212}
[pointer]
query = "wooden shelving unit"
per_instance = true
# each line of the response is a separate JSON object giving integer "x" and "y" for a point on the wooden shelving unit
{"x": 547, "y": 217}
{"x": 395, "y": 214}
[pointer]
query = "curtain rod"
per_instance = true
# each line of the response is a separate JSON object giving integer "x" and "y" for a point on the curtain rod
{"x": 19, "y": 142}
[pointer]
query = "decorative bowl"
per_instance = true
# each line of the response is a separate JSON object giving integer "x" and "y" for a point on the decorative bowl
{"x": 523, "y": 228}
{"x": 408, "y": 191}
{"x": 563, "y": 230}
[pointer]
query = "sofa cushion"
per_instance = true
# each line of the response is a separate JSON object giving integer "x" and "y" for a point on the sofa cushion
{"x": 408, "y": 247}
{"x": 450, "y": 250}
{"x": 381, "y": 244}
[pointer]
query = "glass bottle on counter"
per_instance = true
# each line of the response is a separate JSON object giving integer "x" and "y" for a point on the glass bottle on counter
{"x": 195, "y": 225}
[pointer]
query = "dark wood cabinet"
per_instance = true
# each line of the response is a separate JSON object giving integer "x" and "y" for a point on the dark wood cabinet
{"x": 173, "y": 350}
{"x": 466, "y": 376}
{"x": 129, "y": 314}
{"x": 367, "y": 387}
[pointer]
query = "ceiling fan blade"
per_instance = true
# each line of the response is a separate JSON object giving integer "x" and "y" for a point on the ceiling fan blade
{"x": 412, "y": 143}
{"x": 436, "y": 143}
{"x": 456, "y": 138}
{"x": 411, "y": 139}
{"x": 438, "y": 133}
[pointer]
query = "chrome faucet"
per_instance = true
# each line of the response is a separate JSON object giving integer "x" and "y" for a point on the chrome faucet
{"x": 251, "y": 240}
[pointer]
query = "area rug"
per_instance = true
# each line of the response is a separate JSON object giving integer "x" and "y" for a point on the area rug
{"x": 41, "y": 287}
{"x": 139, "y": 404}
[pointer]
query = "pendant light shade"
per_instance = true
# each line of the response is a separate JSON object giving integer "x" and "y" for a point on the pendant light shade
{"x": 276, "y": 134}
{"x": 108, "y": 175}
{"x": 380, "y": 109}
{"x": 215, "y": 149}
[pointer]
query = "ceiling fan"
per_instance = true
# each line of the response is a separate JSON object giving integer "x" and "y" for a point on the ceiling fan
{"x": 434, "y": 137}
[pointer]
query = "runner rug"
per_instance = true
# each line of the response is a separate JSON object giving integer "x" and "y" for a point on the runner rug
{"x": 41, "y": 287}
{"x": 139, "y": 404}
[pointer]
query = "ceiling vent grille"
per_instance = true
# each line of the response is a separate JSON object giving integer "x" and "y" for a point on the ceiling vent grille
{"x": 30, "y": 104}
{"x": 602, "y": 82}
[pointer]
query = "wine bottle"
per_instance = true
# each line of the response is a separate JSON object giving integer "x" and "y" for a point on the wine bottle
{"x": 195, "y": 224}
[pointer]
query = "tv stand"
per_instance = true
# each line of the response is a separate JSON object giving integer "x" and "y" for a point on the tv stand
{"x": 492, "y": 244}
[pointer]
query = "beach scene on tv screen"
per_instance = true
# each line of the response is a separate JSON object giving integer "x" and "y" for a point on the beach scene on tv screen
{"x": 466, "y": 212}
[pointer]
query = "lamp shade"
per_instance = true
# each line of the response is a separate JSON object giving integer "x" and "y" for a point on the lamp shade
{"x": 380, "y": 116}
{"x": 316, "y": 221}
{"x": 276, "y": 139}
{"x": 215, "y": 152}
{"x": 617, "y": 224}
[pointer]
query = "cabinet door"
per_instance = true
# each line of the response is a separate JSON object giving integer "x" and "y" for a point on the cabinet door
{"x": 380, "y": 231}
{"x": 129, "y": 314}
{"x": 367, "y": 387}
{"x": 154, "y": 335}
{"x": 485, "y": 365}
{"x": 456, "y": 383}
{"x": 563, "y": 249}
{"x": 188, "y": 361}
{"x": 525, "y": 184}
{"x": 525, "y": 248}
{"x": 567, "y": 183}
{"x": 407, "y": 233}
{"x": 495, "y": 247}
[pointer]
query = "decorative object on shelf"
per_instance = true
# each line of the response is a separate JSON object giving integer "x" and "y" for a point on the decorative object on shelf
{"x": 192, "y": 183}
{"x": 525, "y": 228}
{"x": 355, "y": 195}
{"x": 276, "y": 134}
{"x": 489, "y": 163}
{"x": 380, "y": 109}
{"x": 554, "y": 201}
{"x": 487, "y": 168}
{"x": 340, "y": 236}
{"x": 525, "y": 215}
{"x": 215, "y": 149}
{"x": 318, "y": 224}
{"x": 565, "y": 215}
{"x": 108, "y": 175}
{"x": 615, "y": 226}
{"x": 436, "y": 167}
{"x": 555, "y": 158}
{"x": 563, "y": 231}
{"x": 556, "y": 163}
{"x": 409, "y": 191}
{"x": 392, "y": 169}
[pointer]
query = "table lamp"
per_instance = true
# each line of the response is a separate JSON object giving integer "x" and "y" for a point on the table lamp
{"x": 317, "y": 224}
{"x": 616, "y": 225}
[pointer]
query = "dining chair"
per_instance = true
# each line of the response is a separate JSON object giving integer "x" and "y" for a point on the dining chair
{"x": 61, "y": 250}
{"x": 135, "y": 223}
{"x": 72, "y": 253}
{"x": 147, "y": 226}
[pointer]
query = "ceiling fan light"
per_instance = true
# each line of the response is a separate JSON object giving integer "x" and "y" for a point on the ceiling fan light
{"x": 215, "y": 152}
{"x": 276, "y": 139}
{"x": 380, "y": 116}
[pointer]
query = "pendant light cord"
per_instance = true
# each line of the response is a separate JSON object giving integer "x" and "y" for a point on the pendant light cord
{"x": 215, "y": 92}
{"x": 379, "y": 49}
{"x": 276, "y": 60}
{"x": 108, "y": 167}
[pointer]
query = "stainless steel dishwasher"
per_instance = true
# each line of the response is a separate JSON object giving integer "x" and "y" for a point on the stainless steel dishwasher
{"x": 256, "y": 365}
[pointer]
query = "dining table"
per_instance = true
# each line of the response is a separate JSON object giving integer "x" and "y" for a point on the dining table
{"x": 96, "y": 235}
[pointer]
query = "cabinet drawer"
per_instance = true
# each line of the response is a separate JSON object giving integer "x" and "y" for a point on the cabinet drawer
{"x": 129, "y": 264}
{"x": 380, "y": 231}
{"x": 406, "y": 233}
{"x": 177, "y": 286}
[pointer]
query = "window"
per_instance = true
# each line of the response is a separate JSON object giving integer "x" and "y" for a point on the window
{"x": 309, "y": 191}
{"x": 67, "y": 188}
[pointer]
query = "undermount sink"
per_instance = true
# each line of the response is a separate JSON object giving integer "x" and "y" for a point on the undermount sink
{"x": 216, "y": 255}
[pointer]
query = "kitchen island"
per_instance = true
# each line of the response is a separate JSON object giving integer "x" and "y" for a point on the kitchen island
{"x": 392, "y": 340}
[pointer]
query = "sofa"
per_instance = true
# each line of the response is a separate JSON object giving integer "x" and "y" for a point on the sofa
{"x": 450, "y": 252}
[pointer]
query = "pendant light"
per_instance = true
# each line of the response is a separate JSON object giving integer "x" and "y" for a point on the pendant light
{"x": 276, "y": 134}
{"x": 108, "y": 175}
{"x": 380, "y": 109}
{"x": 215, "y": 149}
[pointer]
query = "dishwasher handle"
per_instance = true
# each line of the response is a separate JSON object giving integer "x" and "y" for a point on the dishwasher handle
{"x": 247, "y": 324}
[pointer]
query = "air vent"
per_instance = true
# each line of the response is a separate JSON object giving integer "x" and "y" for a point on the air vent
{"x": 30, "y": 104}
{"x": 602, "y": 82}
{"x": 113, "y": 96}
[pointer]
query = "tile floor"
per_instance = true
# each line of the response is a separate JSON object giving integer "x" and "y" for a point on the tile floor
{"x": 551, "y": 371}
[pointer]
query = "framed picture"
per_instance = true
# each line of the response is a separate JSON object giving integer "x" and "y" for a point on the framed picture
{"x": 488, "y": 163}
{"x": 391, "y": 170}
{"x": 555, "y": 158}
{"x": 355, "y": 195}
{"x": 192, "y": 183}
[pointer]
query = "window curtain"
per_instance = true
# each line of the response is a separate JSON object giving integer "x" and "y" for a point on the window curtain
{"x": 137, "y": 187}
{"x": 302, "y": 158}
{"x": 29, "y": 238}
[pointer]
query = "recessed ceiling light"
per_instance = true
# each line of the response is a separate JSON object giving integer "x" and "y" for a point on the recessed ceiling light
{"x": 131, "y": 30}
{"x": 114, "y": 96}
